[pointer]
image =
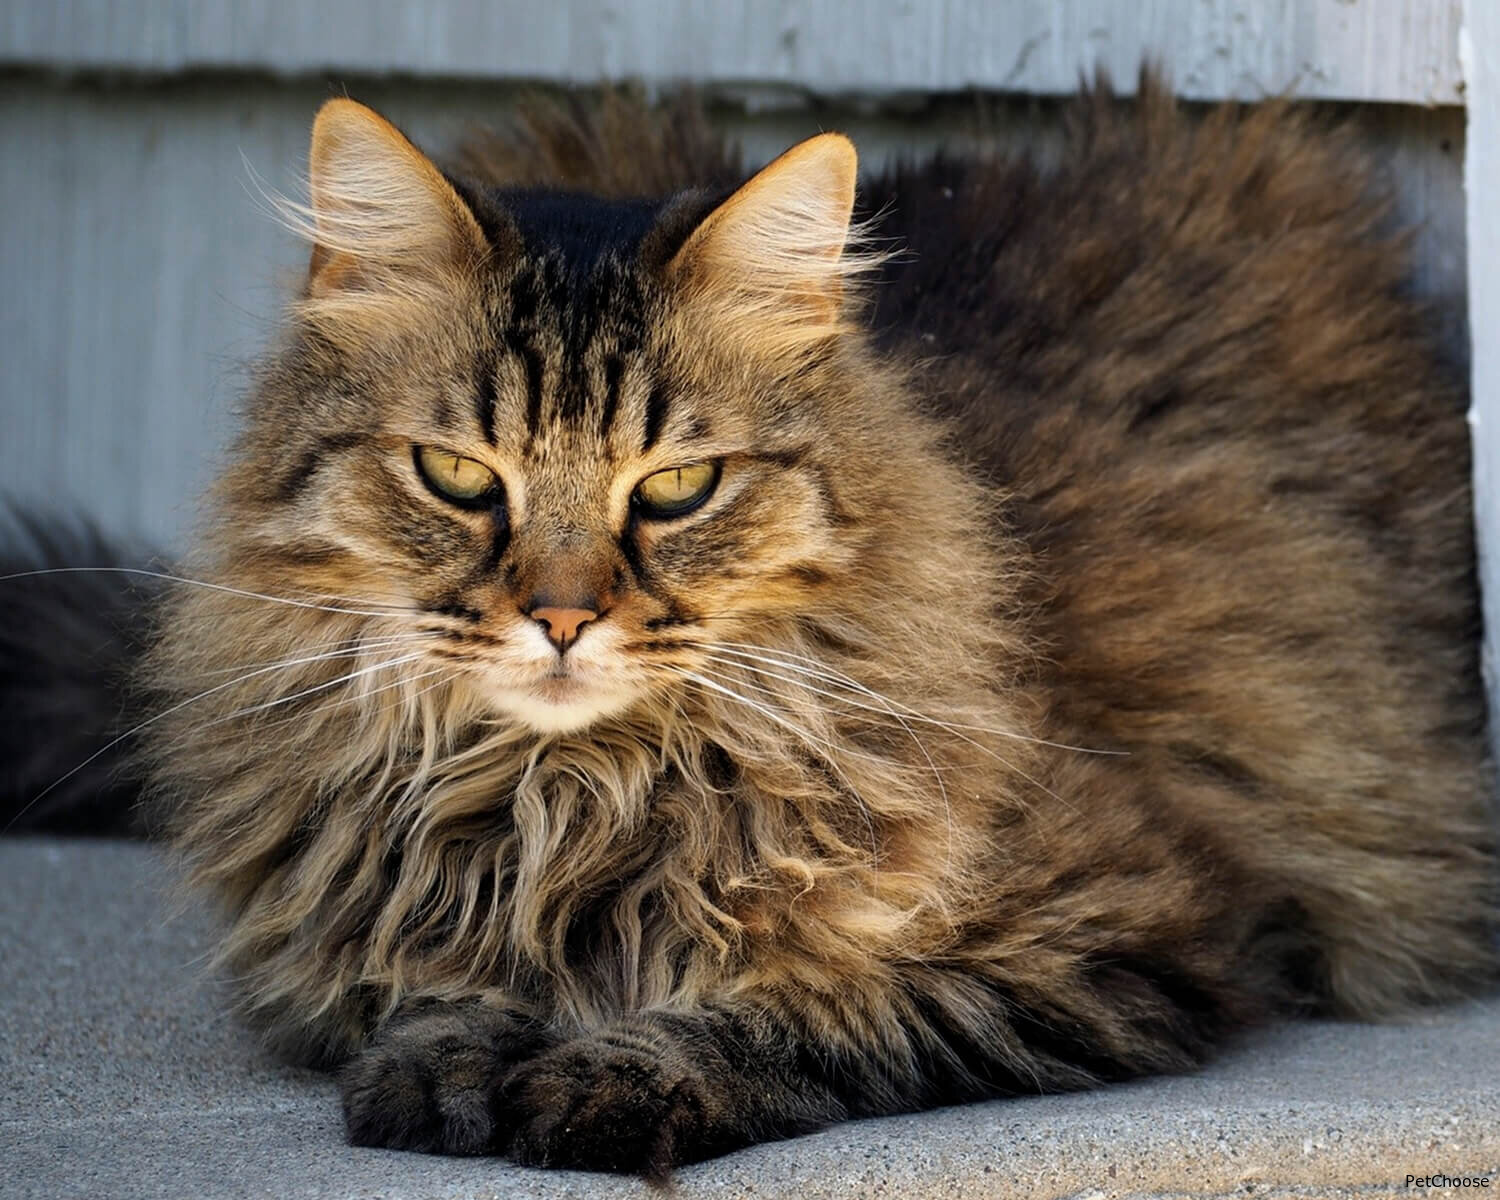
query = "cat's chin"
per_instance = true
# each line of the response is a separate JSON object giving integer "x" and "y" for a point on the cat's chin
{"x": 556, "y": 706}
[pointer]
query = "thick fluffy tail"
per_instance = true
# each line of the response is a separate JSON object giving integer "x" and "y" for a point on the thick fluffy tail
{"x": 69, "y": 635}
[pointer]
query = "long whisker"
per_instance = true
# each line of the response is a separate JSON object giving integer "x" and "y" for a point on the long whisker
{"x": 282, "y": 722}
{"x": 742, "y": 662}
{"x": 812, "y": 739}
{"x": 957, "y": 732}
{"x": 320, "y": 687}
{"x": 448, "y": 676}
{"x": 828, "y": 675}
{"x": 288, "y": 663}
{"x": 343, "y": 648}
{"x": 135, "y": 729}
{"x": 142, "y": 572}
{"x": 843, "y": 750}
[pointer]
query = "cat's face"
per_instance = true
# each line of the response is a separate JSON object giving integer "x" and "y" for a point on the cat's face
{"x": 576, "y": 471}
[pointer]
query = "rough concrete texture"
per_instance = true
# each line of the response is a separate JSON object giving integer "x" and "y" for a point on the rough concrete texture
{"x": 121, "y": 1076}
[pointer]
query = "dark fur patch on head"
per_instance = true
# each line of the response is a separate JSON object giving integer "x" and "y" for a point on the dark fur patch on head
{"x": 579, "y": 228}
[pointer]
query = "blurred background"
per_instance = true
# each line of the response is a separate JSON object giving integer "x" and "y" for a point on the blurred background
{"x": 140, "y": 270}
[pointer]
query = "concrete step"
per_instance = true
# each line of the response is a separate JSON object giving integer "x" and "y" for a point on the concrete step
{"x": 121, "y": 1076}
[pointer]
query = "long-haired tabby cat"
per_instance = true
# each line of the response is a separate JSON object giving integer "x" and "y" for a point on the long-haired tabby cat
{"x": 729, "y": 677}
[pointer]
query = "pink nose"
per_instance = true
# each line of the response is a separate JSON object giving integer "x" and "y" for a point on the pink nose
{"x": 563, "y": 624}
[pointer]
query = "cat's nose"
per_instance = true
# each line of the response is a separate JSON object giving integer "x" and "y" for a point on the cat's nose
{"x": 562, "y": 624}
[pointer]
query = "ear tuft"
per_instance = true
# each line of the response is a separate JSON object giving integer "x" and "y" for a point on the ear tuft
{"x": 380, "y": 210}
{"x": 779, "y": 255}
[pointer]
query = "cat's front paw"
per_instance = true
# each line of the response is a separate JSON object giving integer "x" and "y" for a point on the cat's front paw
{"x": 620, "y": 1100}
{"x": 430, "y": 1079}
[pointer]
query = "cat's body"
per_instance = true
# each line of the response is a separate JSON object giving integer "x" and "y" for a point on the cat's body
{"x": 1078, "y": 668}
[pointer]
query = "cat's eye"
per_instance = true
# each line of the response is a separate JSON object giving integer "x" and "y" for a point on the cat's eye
{"x": 458, "y": 479}
{"x": 676, "y": 491}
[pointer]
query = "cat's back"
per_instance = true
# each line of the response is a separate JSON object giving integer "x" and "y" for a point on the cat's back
{"x": 1189, "y": 359}
{"x": 1166, "y": 262}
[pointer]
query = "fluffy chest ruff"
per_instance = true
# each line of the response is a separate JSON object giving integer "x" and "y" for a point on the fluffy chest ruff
{"x": 376, "y": 849}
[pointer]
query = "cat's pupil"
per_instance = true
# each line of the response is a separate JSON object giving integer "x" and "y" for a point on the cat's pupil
{"x": 455, "y": 477}
{"x": 677, "y": 490}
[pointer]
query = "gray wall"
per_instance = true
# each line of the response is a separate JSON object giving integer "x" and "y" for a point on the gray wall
{"x": 140, "y": 271}
{"x": 1385, "y": 50}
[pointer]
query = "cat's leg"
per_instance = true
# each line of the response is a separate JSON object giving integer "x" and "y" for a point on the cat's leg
{"x": 429, "y": 1077}
{"x": 655, "y": 1090}
{"x": 652, "y": 1090}
{"x": 658, "y": 1089}
{"x": 640, "y": 1095}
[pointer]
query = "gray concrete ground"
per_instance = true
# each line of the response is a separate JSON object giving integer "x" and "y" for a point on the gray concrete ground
{"x": 121, "y": 1077}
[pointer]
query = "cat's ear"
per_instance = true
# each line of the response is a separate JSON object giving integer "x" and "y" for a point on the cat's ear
{"x": 776, "y": 257}
{"x": 380, "y": 210}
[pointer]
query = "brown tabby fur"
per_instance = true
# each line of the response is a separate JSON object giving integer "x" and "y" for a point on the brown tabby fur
{"x": 1084, "y": 634}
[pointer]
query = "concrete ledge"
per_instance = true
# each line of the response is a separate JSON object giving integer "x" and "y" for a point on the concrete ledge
{"x": 121, "y": 1077}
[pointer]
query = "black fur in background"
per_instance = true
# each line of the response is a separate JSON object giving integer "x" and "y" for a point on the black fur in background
{"x": 67, "y": 640}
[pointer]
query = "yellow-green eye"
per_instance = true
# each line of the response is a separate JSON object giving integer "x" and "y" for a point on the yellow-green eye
{"x": 676, "y": 491}
{"x": 456, "y": 478}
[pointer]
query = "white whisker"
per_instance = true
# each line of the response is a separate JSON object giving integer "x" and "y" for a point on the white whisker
{"x": 344, "y": 648}
{"x": 328, "y": 706}
{"x": 955, "y": 729}
{"x": 320, "y": 687}
{"x": 167, "y": 712}
{"x": 828, "y": 675}
{"x": 142, "y": 572}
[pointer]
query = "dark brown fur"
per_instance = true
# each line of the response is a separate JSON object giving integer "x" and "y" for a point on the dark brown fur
{"x": 1173, "y": 720}
{"x": 1190, "y": 360}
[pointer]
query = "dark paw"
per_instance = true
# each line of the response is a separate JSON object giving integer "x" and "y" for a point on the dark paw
{"x": 621, "y": 1100}
{"x": 429, "y": 1081}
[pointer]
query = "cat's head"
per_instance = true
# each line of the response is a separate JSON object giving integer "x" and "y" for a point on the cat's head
{"x": 576, "y": 439}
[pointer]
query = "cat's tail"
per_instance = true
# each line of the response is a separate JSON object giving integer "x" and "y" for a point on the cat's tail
{"x": 73, "y": 621}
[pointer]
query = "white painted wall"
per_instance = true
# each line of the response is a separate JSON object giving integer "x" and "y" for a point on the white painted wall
{"x": 1481, "y": 65}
